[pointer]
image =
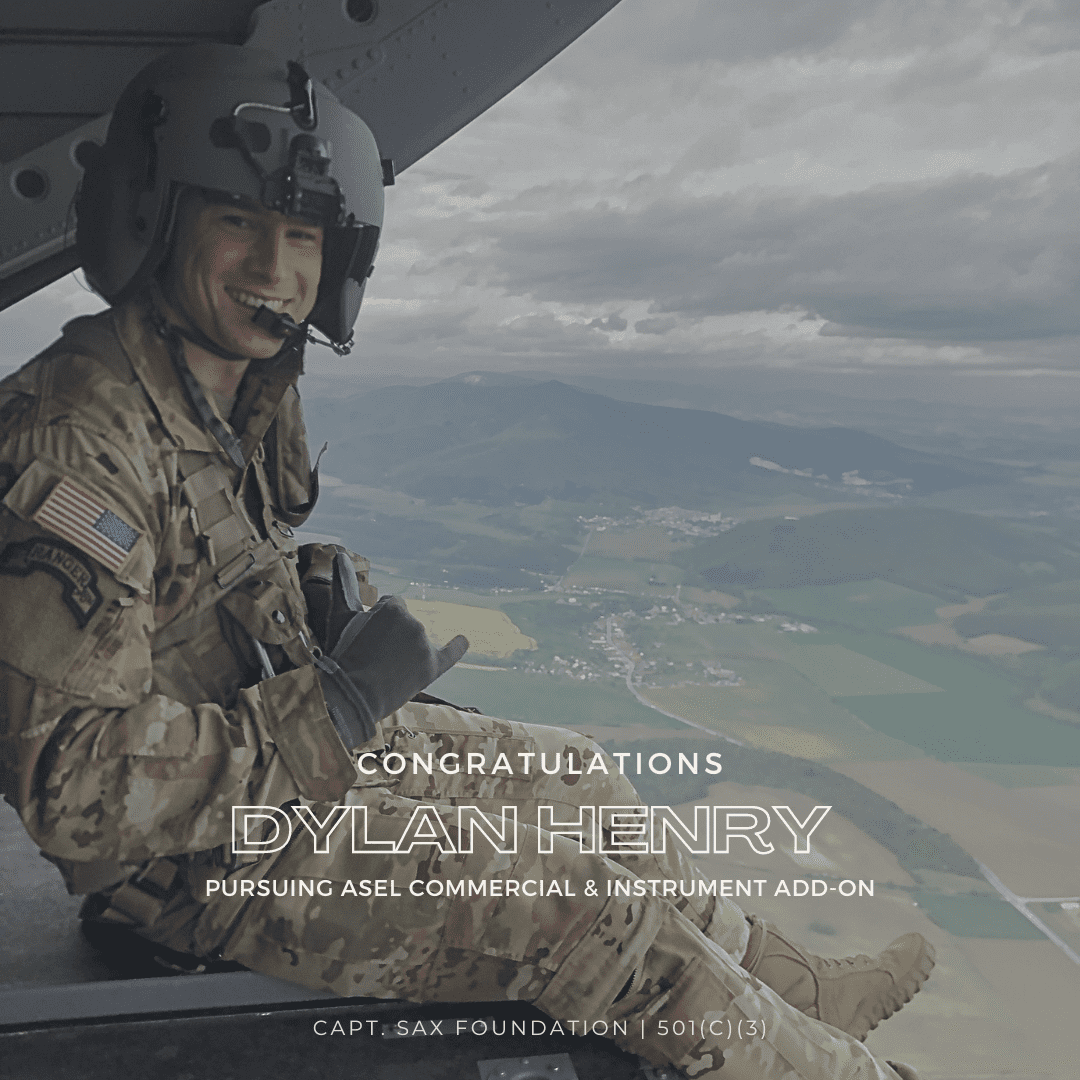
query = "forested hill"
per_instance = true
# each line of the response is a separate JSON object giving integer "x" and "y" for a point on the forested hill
{"x": 502, "y": 439}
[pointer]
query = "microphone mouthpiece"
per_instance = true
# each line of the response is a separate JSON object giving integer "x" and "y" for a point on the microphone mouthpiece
{"x": 276, "y": 323}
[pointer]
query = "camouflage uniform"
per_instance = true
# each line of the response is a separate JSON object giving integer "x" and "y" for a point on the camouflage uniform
{"x": 138, "y": 565}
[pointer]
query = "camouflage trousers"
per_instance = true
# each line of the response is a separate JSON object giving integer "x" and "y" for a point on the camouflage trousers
{"x": 548, "y": 925}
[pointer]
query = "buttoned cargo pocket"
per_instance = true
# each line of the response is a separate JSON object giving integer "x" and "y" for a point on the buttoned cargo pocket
{"x": 266, "y": 611}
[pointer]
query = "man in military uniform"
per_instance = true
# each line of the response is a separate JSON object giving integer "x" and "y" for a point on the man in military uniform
{"x": 168, "y": 652}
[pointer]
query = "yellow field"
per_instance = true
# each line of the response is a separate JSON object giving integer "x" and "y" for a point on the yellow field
{"x": 984, "y": 645}
{"x": 943, "y": 632}
{"x": 650, "y": 542}
{"x": 490, "y": 632}
{"x": 724, "y": 709}
{"x": 841, "y": 672}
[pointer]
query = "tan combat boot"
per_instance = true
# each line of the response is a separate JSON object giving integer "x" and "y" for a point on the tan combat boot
{"x": 854, "y": 994}
{"x": 690, "y": 1005}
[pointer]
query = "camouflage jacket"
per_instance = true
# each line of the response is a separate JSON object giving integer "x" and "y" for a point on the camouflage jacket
{"x": 137, "y": 565}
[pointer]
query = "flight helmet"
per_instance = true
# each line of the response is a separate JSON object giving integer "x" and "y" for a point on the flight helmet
{"x": 241, "y": 124}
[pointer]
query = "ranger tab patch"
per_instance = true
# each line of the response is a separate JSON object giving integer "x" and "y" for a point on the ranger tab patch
{"x": 63, "y": 562}
{"x": 77, "y": 516}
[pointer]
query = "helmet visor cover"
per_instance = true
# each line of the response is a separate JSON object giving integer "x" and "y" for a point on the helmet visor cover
{"x": 242, "y": 123}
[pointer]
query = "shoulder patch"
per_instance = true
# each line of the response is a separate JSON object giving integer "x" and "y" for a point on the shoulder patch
{"x": 65, "y": 563}
{"x": 78, "y": 517}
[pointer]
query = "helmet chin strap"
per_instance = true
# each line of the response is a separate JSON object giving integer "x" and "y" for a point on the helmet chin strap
{"x": 197, "y": 337}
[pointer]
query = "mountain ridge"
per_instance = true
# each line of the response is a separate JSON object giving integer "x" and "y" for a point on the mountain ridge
{"x": 497, "y": 439}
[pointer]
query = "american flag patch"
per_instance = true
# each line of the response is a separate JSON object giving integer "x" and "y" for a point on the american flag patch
{"x": 79, "y": 518}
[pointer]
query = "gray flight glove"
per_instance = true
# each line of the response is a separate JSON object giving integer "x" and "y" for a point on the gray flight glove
{"x": 379, "y": 660}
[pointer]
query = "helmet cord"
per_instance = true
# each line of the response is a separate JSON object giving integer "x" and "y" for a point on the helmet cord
{"x": 281, "y": 325}
{"x": 341, "y": 349}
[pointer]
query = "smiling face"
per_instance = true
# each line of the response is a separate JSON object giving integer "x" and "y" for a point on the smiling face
{"x": 229, "y": 260}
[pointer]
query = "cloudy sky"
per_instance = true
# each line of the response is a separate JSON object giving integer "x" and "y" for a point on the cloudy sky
{"x": 828, "y": 185}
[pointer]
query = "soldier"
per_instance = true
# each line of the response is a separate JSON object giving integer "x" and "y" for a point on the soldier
{"x": 169, "y": 652}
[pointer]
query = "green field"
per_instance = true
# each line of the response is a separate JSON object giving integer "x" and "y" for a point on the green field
{"x": 975, "y": 719}
{"x": 976, "y": 916}
{"x": 862, "y": 605}
{"x": 1047, "y": 615}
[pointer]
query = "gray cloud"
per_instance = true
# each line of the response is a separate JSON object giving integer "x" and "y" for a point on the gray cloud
{"x": 613, "y": 322}
{"x": 411, "y": 327}
{"x": 966, "y": 258}
{"x": 656, "y": 326}
{"x": 688, "y": 32}
{"x": 29, "y": 326}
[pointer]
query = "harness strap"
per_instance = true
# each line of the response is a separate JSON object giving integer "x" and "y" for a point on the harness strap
{"x": 231, "y": 544}
{"x": 140, "y": 900}
{"x": 213, "y": 423}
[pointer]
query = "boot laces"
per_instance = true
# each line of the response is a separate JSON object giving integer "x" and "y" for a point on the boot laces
{"x": 851, "y": 962}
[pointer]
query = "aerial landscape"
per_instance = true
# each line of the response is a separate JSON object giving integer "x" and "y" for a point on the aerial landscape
{"x": 858, "y": 645}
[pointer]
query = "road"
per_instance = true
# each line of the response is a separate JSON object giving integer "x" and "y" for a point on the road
{"x": 1021, "y": 905}
{"x": 1018, "y": 902}
{"x": 630, "y": 668}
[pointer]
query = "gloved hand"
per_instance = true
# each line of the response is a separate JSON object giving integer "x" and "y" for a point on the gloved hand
{"x": 332, "y": 595}
{"x": 379, "y": 661}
